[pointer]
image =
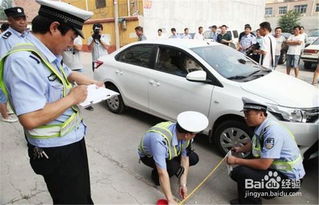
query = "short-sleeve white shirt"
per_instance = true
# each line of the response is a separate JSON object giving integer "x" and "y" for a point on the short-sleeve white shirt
{"x": 265, "y": 46}
{"x": 295, "y": 49}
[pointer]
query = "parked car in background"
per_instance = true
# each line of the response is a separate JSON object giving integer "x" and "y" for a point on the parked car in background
{"x": 166, "y": 77}
{"x": 310, "y": 54}
{"x": 312, "y": 36}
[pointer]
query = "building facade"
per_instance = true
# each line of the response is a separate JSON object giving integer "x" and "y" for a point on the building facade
{"x": 180, "y": 14}
{"x": 309, "y": 10}
{"x": 165, "y": 14}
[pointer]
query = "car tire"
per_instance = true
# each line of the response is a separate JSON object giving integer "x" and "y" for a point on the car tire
{"x": 230, "y": 133}
{"x": 307, "y": 65}
{"x": 116, "y": 103}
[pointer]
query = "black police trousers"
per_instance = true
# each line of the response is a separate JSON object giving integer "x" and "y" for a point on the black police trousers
{"x": 173, "y": 166}
{"x": 252, "y": 195}
{"x": 66, "y": 172}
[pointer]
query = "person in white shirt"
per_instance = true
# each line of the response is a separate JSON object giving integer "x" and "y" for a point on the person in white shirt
{"x": 268, "y": 46}
{"x": 293, "y": 54}
{"x": 199, "y": 35}
{"x": 174, "y": 33}
{"x": 71, "y": 57}
{"x": 160, "y": 34}
{"x": 280, "y": 39}
{"x": 186, "y": 34}
{"x": 98, "y": 43}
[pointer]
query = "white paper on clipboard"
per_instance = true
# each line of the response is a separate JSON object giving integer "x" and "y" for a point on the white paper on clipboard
{"x": 97, "y": 94}
{"x": 229, "y": 167}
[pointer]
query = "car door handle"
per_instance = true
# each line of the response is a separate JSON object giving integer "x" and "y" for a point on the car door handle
{"x": 157, "y": 84}
{"x": 121, "y": 73}
{"x": 152, "y": 82}
{"x": 117, "y": 71}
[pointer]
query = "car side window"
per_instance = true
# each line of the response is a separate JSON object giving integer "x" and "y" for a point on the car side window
{"x": 175, "y": 62}
{"x": 140, "y": 55}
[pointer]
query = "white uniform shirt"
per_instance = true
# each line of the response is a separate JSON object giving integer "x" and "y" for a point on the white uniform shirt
{"x": 98, "y": 49}
{"x": 295, "y": 49}
{"x": 268, "y": 59}
{"x": 71, "y": 57}
{"x": 199, "y": 36}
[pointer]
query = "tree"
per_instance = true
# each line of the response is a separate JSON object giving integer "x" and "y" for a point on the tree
{"x": 4, "y": 5}
{"x": 289, "y": 20}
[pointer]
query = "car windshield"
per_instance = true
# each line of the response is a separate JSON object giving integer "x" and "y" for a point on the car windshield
{"x": 314, "y": 33}
{"x": 316, "y": 42}
{"x": 228, "y": 62}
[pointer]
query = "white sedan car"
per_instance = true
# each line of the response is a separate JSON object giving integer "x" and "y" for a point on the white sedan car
{"x": 310, "y": 54}
{"x": 166, "y": 77}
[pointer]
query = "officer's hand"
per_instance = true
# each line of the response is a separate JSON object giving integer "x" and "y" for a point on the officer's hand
{"x": 236, "y": 149}
{"x": 79, "y": 93}
{"x": 172, "y": 202}
{"x": 231, "y": 160}
{"x": 99, "y": 84}
{"x": 183, "y": 191}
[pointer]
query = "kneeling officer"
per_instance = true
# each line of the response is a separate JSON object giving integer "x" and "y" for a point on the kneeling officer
{"x": 166, "y": 147}
{"x": 277, "y": 159}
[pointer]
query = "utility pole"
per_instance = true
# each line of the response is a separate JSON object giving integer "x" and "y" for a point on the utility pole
{"x": 87, "y": 5}
{"x": 116, "y": 23}
{"x": 128, "y": 8}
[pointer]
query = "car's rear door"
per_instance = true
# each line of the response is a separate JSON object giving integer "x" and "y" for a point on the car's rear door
{"x": 170, "y": 92}
{"x": 132, "y": 73}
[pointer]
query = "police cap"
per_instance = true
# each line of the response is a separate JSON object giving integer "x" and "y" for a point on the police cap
{"x": 14, "y": 12}
{"x": 253, "y": 105}
{"x": 192, "y": 121}
{"x": 64, "y": 13}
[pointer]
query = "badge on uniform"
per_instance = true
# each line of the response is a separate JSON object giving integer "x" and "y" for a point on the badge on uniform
{"x": 269, "y": 143}
{"x": 6, "y": 35}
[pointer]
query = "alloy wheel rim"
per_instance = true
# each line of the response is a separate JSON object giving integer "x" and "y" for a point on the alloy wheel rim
{"x": 233, "y": 136}
{"x": 113, "y": 103}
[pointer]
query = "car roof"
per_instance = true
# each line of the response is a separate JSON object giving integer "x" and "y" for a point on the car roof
{"x": 181, "y": 43}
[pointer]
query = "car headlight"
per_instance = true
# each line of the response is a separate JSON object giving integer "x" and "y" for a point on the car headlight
{"x": 302, "y": 115}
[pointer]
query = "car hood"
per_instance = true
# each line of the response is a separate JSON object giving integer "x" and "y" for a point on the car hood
{"x": 284, "y": 90}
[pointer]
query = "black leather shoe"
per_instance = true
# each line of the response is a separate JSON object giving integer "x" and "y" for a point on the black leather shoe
{"x": 90, "y": 108}
{"x": 234, "y": 201}
{"x": 155, "y": 177}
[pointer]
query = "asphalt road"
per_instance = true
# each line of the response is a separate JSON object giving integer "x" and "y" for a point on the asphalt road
{"x": 116, "y": 175}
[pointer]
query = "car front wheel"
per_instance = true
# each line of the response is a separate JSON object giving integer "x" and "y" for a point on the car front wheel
{"x": 232, "y": 133}
{"x": 115, "y": 104}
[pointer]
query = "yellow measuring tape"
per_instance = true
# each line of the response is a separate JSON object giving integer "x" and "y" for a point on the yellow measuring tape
{"x": 204, "y": 180}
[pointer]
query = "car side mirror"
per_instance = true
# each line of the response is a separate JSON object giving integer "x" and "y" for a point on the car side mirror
{"x": 197, "y": 76}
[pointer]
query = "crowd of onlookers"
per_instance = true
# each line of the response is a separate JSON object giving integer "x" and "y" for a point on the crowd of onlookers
{"x": 262, "y": 45}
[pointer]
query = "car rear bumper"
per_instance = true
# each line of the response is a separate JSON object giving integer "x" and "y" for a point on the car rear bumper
{"x": 313, "y": 60}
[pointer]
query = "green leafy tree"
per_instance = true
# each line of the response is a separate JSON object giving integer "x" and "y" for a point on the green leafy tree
{"x": 289, "y": 20}
{"x": 4, "y": 5}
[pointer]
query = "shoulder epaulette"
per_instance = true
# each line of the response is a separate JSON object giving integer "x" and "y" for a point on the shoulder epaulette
{"x": 6, "y": 35}
{"x": 35, "y": 58}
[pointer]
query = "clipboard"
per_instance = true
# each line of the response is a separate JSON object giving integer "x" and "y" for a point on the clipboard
{"x": 96, "y": 95}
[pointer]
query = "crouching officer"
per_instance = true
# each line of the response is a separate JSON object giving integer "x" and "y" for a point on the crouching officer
{"x": 276, "y": 169}
{"x": 39, "y": 88}
{"x": 166, "y": 147}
